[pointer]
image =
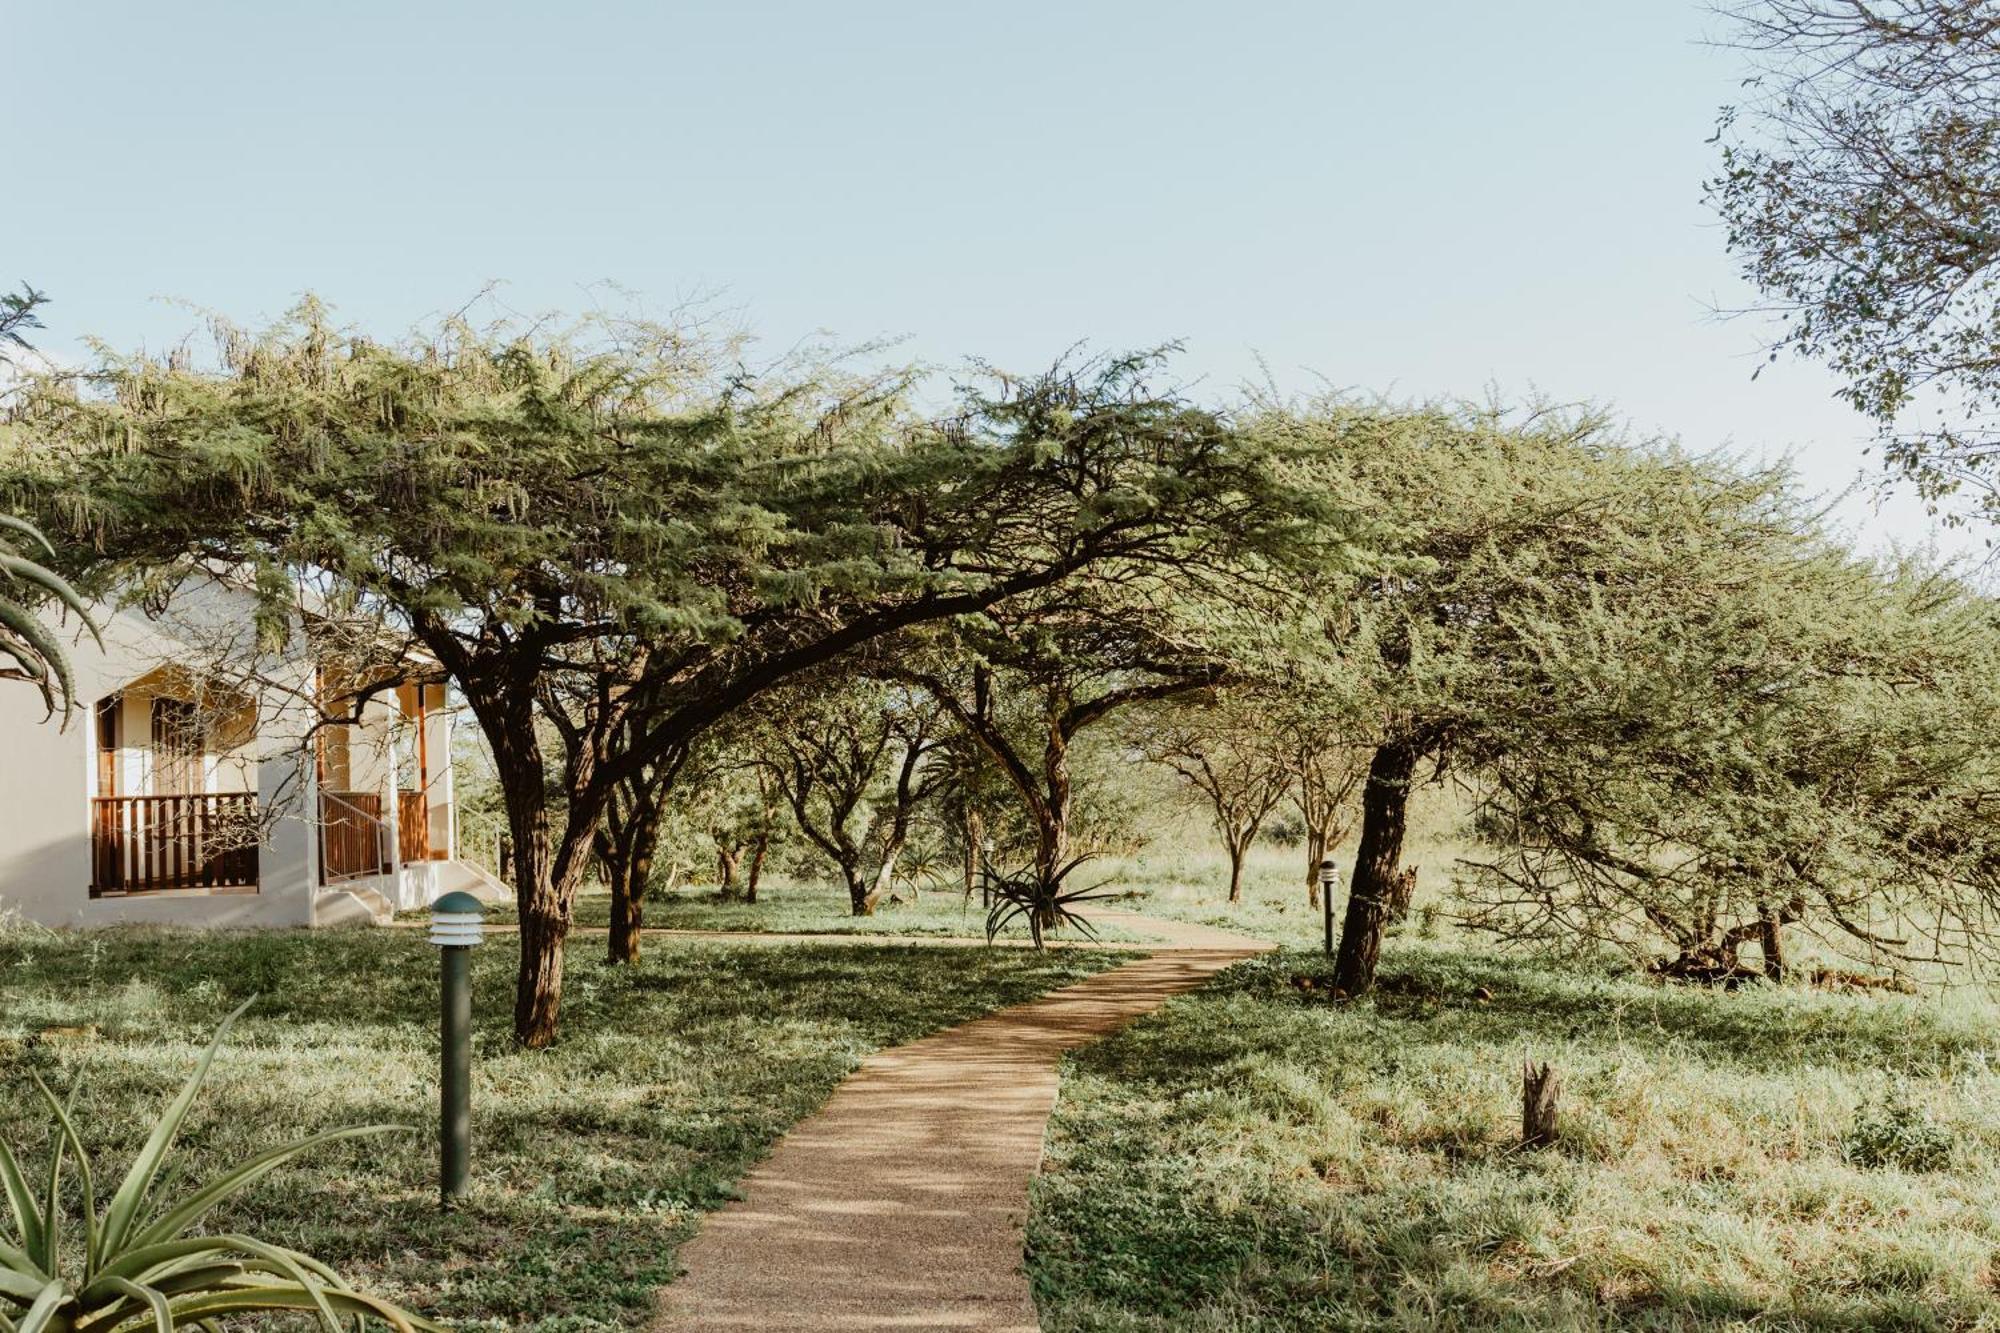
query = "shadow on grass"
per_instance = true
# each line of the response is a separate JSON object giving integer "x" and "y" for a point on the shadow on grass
{"x": 1467, "y": 996}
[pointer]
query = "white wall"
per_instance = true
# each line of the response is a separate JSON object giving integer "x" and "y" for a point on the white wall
{"x": 47, "y": 772}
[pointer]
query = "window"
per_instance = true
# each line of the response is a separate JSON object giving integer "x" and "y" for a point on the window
{"x": 177, "y": 748}
{"x": 107, "y": 744}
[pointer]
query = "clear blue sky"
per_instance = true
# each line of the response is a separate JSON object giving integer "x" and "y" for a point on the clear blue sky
{"x": 1414, "y": 199}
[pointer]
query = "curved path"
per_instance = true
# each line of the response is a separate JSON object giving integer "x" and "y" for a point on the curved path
{"x": 900, "y": 1204}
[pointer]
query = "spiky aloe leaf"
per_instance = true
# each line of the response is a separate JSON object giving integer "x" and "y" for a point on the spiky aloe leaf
{"x": 147, "y": 1277}
{"x": 306, "y": 1273}
{"x": 123, "y": 1210}
{"x": 273, "y": 1298}
{"x": 19, "y": 1286}
{"x": 13, "y": 1260}
{"x": 50, "y": 1256}
{"x": 155, "y": 1303}
{"x": 88, "y": 1184}
{"x": 21, "y": 1202}
{"x": 52, "y": 583}
{"x": 27, "y": 640}
{"x": 153, "y": 1264}
{"x": 1041, "y": 903}
{"x": 41, "y": 1315}
{"x": 8, "y": 523}
{"x": 189, "y": 1211}
{"x": 42, "y": 646}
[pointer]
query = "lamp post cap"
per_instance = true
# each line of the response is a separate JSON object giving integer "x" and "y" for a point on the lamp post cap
{"x": 458, "y": 902}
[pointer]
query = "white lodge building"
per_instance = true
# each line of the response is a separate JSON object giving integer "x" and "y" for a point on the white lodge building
{"x": 176, "y": 796}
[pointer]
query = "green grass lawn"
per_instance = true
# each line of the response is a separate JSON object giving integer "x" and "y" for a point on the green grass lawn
{"x": 592, "y": 1161}
{"x": 806, "y": 907}
{"x": 1184, "y": 874}
{"x": 1256, "y": 1157}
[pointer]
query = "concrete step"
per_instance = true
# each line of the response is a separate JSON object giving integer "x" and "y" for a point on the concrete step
{"x": 352, "y": 906}
{"x": 465, "y": 877}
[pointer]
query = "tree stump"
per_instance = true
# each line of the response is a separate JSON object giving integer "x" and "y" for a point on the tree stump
{"x": 1539, "y": 1089}
{"x": 1402, "y": 889}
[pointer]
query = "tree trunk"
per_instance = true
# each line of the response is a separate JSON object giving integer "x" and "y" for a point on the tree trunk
{"x": 756, "y": 871}
{"x": 860, "y": 901}
{"x": 545, "y": 891}
{"x": 725, "y": 869}
{"x": 1052, "y": 819}
{"x": 627, "y": 907}
{"x": 885, "y": 874}
{"x": 538, "y": 982}
{"x": 975, "y": 831}
{"x": 1385, "y": 804}
{"x": 1400, "y": 896}
{"x": 1770, "y": 931}
{"x": 538, "y": 899}
{"x": 547, "y": 871}
{"x": 630, "y": 878}
{"x": 627, "y": 859}
{"x": 1235, "y": 873}
{"x": 1315, "y": 853}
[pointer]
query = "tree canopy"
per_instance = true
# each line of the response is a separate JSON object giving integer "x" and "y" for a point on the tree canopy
{"x": 1860, "y": 184}
{"x": 620, "y": 532}
{"x": 1555, "y": 596}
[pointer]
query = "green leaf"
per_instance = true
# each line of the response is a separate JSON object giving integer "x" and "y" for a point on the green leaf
{"x": 185, "y": 1214}
{"x": 53, "y": 583}
{"x": 44, "y": 645}
{"x": 156, "y": 1304}
{"x": 21, "y": 1286}
{"x": 87, "y": 1185}
{"x": 124, "y": 1208}
{"x": 40, "y": 1316}
{"x": 20, "y": 1201}
{"x": 263, "y": 1299}
{"x": 8, "y": 523}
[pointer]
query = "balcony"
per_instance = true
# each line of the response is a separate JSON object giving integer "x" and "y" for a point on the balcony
{"x": 153, "y": 844}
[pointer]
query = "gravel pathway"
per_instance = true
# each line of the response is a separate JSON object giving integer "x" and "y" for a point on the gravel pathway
{"x": 900, "y": 1204}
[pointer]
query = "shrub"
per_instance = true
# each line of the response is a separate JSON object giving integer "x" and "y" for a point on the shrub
{"x": 1895, "y": 1133}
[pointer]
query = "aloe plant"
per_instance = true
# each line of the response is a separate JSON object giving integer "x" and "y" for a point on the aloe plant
{"x": 139, "y": 1264}
{"x": 37, "y": 653}
{"x": 1042, "y": 902}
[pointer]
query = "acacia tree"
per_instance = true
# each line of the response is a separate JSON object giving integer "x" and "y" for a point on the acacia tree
{"x": 1325, "y": 778}
{"x": 1317, "y": 735}
{"x": 1508, "y": 527}
{"x": 1817, "y": 753}
{"x": 742, "y": 824}
{"x": 1860, "y": 186}
{"x": 1026, "y": 677}
{"x": 621, "y": 508}
{"x": 1219, "y": 749}
{"x": 851, "y": 759}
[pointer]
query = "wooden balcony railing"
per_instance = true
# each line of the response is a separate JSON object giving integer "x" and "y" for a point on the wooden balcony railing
{"x": 413, "y": 826}
{"x": 353, "y": 840}
{"x": 143, "y": 844}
